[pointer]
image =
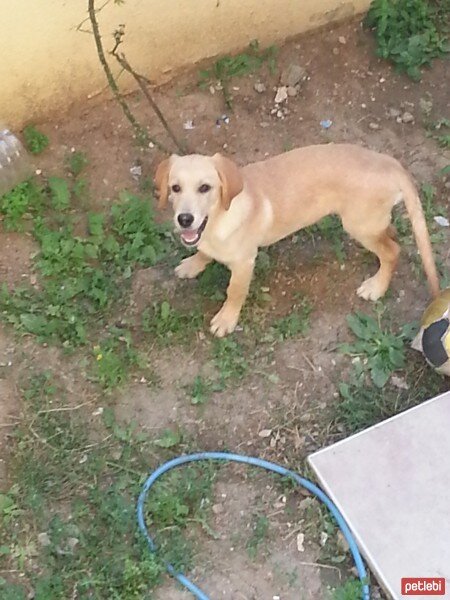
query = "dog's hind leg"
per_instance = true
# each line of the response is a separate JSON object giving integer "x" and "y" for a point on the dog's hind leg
{"x": 387, "y": 251}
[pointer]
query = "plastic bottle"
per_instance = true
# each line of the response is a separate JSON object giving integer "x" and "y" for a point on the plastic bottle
{"x": 15, "y": 164}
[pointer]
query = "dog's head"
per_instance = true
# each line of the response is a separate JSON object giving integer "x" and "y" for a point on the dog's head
{"x": 194, "y": 184}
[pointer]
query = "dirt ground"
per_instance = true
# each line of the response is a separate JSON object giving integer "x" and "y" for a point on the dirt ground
{"x": 365, "y": 99}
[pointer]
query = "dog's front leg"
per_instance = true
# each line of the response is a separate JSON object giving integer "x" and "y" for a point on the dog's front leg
{"x": 192, "y": 266}
{"x": 226, "y": 319}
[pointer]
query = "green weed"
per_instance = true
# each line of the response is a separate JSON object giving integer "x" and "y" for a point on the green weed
{"x": 77, "y": 162}
{"x": 169, "y": 324}
{"x": 259, "y": 533}
{"x": 26, "y": 200}
{"x": 351, "y": 590}
{"x": 437, "y": 129}
{"x": 79, "y": 277}
{"x": 227, "y": 67}
{"x": 363, "y": 404}
{"x": 294, "y": 324}
{"x": 201, "y": 390}
{"x": 329, "y": 228}
{"x": 381, "y": 351}
{"x": 411, "y": 33}
{"x": 114, "y": 358}
{"x": 230, "y": 360}
{"x": 35, "y": 141}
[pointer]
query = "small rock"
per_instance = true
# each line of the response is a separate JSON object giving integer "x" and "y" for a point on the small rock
{"x": 323, "y": 538}
{"x": 407, "y": 117}
{"x": 342, "y": 39}
{"x": 335, "y": 51}
{"x": 259, "y": 87}
{"x": 72, "y": 543}
{"x": 399, "y": 382}
{"x": 393, "y": 113}
{"x": 292, "y": 91}
{"x": 44, "y": 539}
{"x": 442, "y": 221}
{"x": 426, "y": 106}
{"x": 300, "y": 542}
{"x": 280, "y": 114}
{"x": 264, "y": 124}
{"x": 265, "y": 433}
{"x": 136, "y": 172}
{"x": 217, "y": 509}
{"x": 189, "y": 124}
{"x": 293, "y": 75}
{"x": 281, "y": 95}
{"x": 374, "y": 126}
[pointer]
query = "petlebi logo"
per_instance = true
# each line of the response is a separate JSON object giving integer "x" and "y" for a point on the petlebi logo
{"x": 423, "y": 586}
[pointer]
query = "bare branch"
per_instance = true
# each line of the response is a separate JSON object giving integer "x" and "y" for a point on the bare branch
{"x": 142, "y": 82}
{"x": 140, "y": 132}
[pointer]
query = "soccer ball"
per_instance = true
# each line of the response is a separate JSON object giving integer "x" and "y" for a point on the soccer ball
{"x": 433, "y": 339}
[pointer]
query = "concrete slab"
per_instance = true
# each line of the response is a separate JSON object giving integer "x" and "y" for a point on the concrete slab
{"x": 392, "y": 484}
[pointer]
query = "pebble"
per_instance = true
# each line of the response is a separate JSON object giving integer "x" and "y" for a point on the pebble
{"x": 393, "y": 113}
{"x": 292, "y": 76}
{"x": 407, "y": 117}
{"x": 281, "y": 95}
{"x": 374, "y": 126}
{"x": 259, "y": 87}
{"x": 292, "y": 91}
{"x": 217, "y": 509}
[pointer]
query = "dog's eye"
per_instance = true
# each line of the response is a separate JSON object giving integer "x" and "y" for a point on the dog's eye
{"x": 204, "y": 188}
{"x": 176, "y": 188}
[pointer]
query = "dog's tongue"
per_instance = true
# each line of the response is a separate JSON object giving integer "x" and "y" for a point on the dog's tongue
{"x": 189, "y": 236}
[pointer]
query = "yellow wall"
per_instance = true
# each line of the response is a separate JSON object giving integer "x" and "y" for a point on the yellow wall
{"x": 46, "y": 64}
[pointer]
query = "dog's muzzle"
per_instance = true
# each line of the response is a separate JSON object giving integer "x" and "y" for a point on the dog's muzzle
{"x": 191, "y": 237}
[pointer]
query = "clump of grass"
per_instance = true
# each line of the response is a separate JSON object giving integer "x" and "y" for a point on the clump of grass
{"x": 20, "y": 205}
{"x": 76, "y": 162}
{"x": 411, "y": 33}
{"x": 169, "y": 324}
{"x": 35, "y": 141}
{"x": 294, "y": 324}
{"x": 380, "y": 351}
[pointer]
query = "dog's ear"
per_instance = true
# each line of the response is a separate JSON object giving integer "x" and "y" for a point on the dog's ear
{"x": 230, "y": 178}
{"x": 162, "y": 181}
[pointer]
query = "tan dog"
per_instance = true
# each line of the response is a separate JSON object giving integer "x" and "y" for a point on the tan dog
{"x": 229, "y": 212}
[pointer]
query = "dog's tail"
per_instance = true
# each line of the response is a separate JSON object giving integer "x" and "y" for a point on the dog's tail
{"x": 419, "y": 226}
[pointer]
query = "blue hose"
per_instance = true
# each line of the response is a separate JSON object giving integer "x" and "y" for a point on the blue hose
{"x": 257, "y": 462}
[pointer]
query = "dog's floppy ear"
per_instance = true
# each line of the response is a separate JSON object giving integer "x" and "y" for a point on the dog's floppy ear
{"x": 162, "y": 181}
{"x": 230, "y": 178}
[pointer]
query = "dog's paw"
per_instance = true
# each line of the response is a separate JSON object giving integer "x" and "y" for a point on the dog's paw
{"x": 224, "y": 322}
{"x": 371, "y": 289}
{"x": 189, "y": 267}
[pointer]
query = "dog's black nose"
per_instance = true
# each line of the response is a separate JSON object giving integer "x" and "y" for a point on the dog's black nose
{"x": 185, "y": 219}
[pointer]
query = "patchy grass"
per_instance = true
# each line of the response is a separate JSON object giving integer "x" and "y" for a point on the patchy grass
{"x": 35, "y": 141}
{"x": 227, "y": 67}
{"x": 79, "y": 276}
{"x": 69, "y": 523}
{"x": 364, "y": 404}
{"x": 169, "y": 325}
{"x": 76, "y": 162}
{"x": 294, "y": 324}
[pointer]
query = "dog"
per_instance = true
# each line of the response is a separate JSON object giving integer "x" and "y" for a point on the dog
{"x": 227, "y": 213}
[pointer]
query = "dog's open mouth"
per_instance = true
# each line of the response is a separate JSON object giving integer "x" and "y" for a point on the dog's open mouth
{"x": 191, "y": 237}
